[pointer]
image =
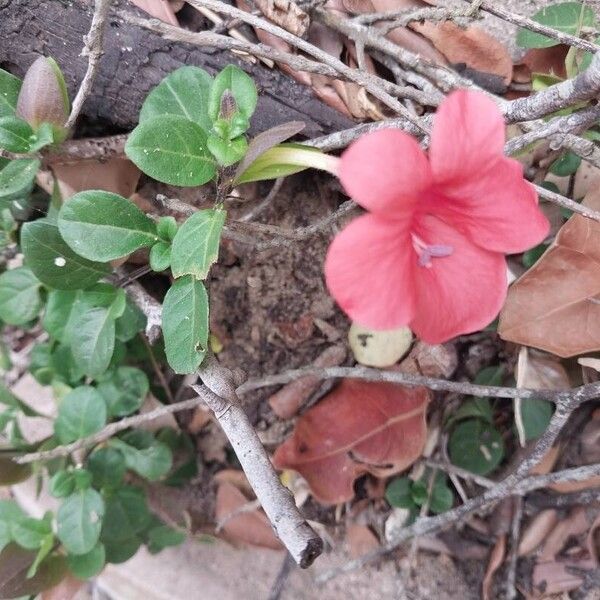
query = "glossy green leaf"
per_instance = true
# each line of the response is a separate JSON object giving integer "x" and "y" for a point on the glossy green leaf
{"x": 30, "y": 533}
{"x": 82, "y": 412}
{"x": 62, "y": 484}
{"x": 124, "y": 391}
{"x": 9, "y": 92}
{"x": 79, "y": 521}
{"x": 535, "y": 416}
{"x": 240, "y": 85}
{"x": 44, "y": 136}
{"x": 151, "y": 461}
{"x": 166, "y": 227}
{"x": 85, "y": 566}
{"x": 160, "y": 256}
{"x": 566, "y": 164}
{"x": 442, "y": 498}
{"x": 17, "y": 177}
{"x": 16, "y": 135}
{"x": 126, "y": 514}
{"x": 227, "y": 152}
{"x": 185, "y": 324}
{"x": 15, "y": 563}
{"x": 107, "y": 466}
{"x": 183, "y": 93}
{"x": 20, "y": 300}
{"x": 476, "y": 446}
{"x": 398, "y": 493}
{"x": 568, "y": 17}
{"x": 53, "y": 261}
{"x": 196, "y": 245}
{"x": 93, "y": 338}
{"x": 103, "y": 226}
{"x": 173, "y": 150}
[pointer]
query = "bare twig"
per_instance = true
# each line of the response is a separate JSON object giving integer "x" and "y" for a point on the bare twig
{"x": 515, "y": 533}
{"x": 219, "y": 394}
{"x": 93, "y": 50}
{"x": 149, "y": 306}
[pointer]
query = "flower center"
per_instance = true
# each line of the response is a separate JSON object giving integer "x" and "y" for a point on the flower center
{"x": 426, "y": 252}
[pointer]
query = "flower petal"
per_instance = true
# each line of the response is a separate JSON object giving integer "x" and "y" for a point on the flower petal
{"x": 385, "y": 171}
{"x": 369, "y": 271}
{"x": 468, "y": 133}
{"x": 497, "y": 210}
{"x": 460, "y": 293}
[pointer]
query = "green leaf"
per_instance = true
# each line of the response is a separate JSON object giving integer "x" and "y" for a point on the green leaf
{"x": 227, "y": 152}
{"x": 442, "y": 498}
{"x": 532, "y": 256}
{"x": 419, "y": 492}
{"x": 20, "y": 300}
{"x": 398, "y": 493}
{"x": 44, "y": 136}
{"x": 160, "y": 256}
{"x": 476, "y": 446}
{"x": 283, "y": 160}
{"x": 62, "y": 484}
{"x": 240, "y": 85}
{"x": 130, "y": 323}
{"x": 124, "y": 391}
{"x": 183, "y": 93}
{"x": 151, "y": 462}
{"x": 161, "y": 537}
{"x": 120, "y": 551}
{"x": 17, "y": 176}
{"x": 16, "y": 135}
{"x": 82, "y": 478}
{"x": 107, "y": 466}
{"x": 59, "y": 306}
{"x": 82, "y": 412}
{"x": 53, "y": 261}
{"x": 476, "y": 407}
{"x": 79, "y": 521}
{"x": 85, "y": 566}
{"x": 167, "y": 228}
{"x": 126, "y": 514}
{"x": 45, "y": 548}
{"x": 30, "y": 533}
{"x": 196, "y": 245}
{"x": 104, "y": 226}
{"x": 566, "y": 164}
{"x": 9, "y": 92}
{"x": 171, "y": 149}
{"x": 185, "y": 324}
{"x": 93, "y": 341}
{"x": 15, "y": 563}
{"x": 535, "y": 415}
{"x": 568, "y": 17}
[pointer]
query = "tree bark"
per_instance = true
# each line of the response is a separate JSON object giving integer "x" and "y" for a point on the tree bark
{"x": 135, "y": 60}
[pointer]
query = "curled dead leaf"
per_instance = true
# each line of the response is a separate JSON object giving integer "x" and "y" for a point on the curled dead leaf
{"x": 494, "y": 563}
{"x": 359, "y": 427}
{"x": 555, "y": 306}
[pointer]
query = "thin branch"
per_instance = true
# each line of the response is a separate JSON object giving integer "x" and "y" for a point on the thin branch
{"x": 149, "y": 306}
{"x": 219, "y": 394}
{"x": 93, "y": 50}
{"x": 515, "y": 533}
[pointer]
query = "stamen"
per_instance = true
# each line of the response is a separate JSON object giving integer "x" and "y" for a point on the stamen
{"x": 426, "y": 252}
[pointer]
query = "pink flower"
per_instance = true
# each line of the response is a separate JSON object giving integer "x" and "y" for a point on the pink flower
{"x": 430, "y": 252}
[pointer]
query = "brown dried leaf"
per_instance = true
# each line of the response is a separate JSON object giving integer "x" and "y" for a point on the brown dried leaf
{"x": 549, "y": 61}
{"x": 538, "y": 372}
{"x": 555, "y": 306}
{"x": 360, "y": 540}
{"x": 359, "y": 427}
{"x": 472, "y": 46}
{"x": 286, "y": 14}
{"x": 439, "y": 360}
{"x": 160, "y": 9}
{"x": 552, "y": 577}
{"x": 496, "y": 560}
{"x": 236, "y": 478}
{"x": 537, "y": 531}
{"x": 574, "y": 525}
{"x": 246, "y": 527}
{"x": 287, "y": 401}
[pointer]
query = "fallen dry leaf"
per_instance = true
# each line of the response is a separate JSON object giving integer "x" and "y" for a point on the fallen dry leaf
{"x": 537, "y": 530}
{"x": 286, "y": 14}
{"x": 573, "y": 525}
{"x": 360, "y": 540}
{"x": 552, "y": 577}
{"x": 548, "y": 61}
{"x": 555, "y": 306}
{"x": 250, "y": 527}
{"x": 438, "y": 360}
{"x": 359, "y": 427}
{"x": 538, "y": 372}
{"x": 160, "y": 9}
{"x": 287, "y": 401}
{"x": 472, "y": 46}
{"x": 496, "y": 560}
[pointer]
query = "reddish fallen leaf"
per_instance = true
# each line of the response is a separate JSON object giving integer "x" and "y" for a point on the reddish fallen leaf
{"x": 360, "y": 540}
{"x": 160, "y": 9}
{"x": 359, "y": 427}
{"x": 549, "y": 61}
{"x": 555, "y": 306}
{"x": 537, "y": 531}
{"x": 575, "y": 524}
{"x": 251, "y": 527}
{"x": 496, "y": 560}
{"x": 288, "y": 400}
{"x": 471, "y": 46}
{"x": 552, "y": 577}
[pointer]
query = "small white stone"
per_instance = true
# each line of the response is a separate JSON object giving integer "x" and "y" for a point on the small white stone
{"x": 59, "y": 261}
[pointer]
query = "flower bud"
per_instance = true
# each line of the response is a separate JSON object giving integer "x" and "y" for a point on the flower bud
{"x": 228, "y": 106}
{"x": 43, "y": 97}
